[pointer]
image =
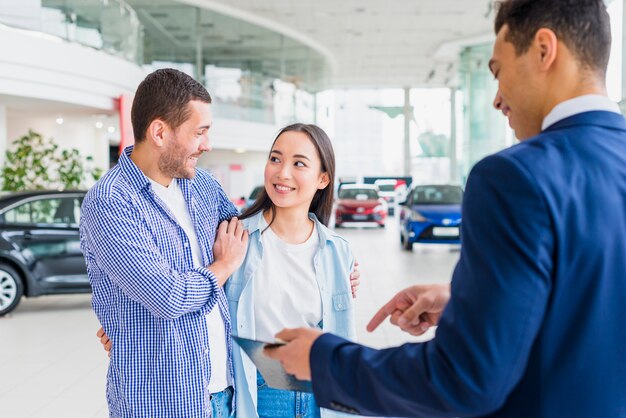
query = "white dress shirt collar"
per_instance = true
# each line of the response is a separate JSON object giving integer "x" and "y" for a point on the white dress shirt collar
{"x": 580, "y": 104}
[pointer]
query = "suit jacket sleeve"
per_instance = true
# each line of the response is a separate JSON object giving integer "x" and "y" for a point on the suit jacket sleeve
{"x": 500, "y": 290}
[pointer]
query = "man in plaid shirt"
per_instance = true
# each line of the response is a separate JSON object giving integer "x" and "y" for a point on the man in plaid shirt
{"x": 157, "y": 260}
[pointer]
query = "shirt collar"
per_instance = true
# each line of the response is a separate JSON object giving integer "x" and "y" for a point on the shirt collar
{"x": 135, "y": 176}
{"x": 580, "y": 104}
{"x": 255, "y": 222}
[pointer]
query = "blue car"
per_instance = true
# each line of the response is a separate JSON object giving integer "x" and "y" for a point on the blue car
{"x": 431, "y": 215}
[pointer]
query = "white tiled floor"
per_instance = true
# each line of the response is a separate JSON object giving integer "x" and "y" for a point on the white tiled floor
{"x": 50, "y": 360}
{"x": 52, "y": 365}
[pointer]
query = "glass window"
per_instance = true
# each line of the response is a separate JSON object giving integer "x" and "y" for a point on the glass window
{"x": 55, "y": 211}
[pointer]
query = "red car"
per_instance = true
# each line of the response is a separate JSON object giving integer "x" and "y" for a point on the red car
{"x": 360, "y": 203}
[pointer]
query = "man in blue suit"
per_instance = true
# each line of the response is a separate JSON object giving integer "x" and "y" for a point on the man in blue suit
{"x": 533, "y": 322}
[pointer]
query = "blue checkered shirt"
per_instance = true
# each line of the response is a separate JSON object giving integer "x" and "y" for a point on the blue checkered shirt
{"x": 147, "y": 294}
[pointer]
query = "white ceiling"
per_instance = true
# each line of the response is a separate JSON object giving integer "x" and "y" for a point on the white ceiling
{"x": 375, "y": 43}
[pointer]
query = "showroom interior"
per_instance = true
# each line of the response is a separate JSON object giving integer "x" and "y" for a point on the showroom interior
{"x": 404, "y": 92}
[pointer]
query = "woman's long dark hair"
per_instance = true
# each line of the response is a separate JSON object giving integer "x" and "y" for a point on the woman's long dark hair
{"x": 322, "y": 203}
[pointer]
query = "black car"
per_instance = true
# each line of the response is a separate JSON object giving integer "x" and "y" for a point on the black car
{"x": 39, "y": 246}
{"x": 252, "y": 198}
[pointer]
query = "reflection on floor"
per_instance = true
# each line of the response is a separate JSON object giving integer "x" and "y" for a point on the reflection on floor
{"x": 52, "y": 364}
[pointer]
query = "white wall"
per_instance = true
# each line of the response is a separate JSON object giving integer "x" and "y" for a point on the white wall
{"x": 236, "y": 183}
{"x": 358, "y": 140}
{"x": 233, "y": 134}
{"x": 227, "y": 135}
{"x": 22, "y": 13}
{"x": 41, "y": 66}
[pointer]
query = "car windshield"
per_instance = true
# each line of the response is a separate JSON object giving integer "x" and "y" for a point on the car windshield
{"x": 437, "y": 195}
{"x": 358, "y": 194}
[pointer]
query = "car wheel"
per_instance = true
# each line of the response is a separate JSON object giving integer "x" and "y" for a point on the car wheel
{"x": 406, "y": 244}
{"x": 337, "y": 225}
{"x": 381, "y": 225}
{"x": 11, "y": 289}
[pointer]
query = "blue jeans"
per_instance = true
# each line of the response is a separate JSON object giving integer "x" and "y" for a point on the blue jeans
{"x": 276, "y": 403}
{"x": 222, "y": 403}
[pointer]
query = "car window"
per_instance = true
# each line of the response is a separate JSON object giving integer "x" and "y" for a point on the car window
{"x": 358, "y": 194}
{"x": 437, "y": 195}
{"x": 53, "y": 211}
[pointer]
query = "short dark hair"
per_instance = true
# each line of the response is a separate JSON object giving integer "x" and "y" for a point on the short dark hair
{"x": 322, "y": 203}
{"x": 582, "y": 25}
{"x": 164, "y": 94}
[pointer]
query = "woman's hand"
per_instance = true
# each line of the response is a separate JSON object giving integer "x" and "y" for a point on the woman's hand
{"x": 104, "y": 340}
{"x": 355, "y": 275}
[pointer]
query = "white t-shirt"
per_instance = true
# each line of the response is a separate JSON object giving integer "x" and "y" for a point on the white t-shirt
{"x": 173, "y": 197}
{"x": 286, "y": 290}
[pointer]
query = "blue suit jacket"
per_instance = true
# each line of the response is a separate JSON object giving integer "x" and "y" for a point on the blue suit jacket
{"x": 536, "y": 324}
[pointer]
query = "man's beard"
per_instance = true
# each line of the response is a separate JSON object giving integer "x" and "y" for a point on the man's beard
{"x": 173, "y": 164}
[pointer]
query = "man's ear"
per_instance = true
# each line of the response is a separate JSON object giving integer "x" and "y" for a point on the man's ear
{"x": 156, "y": 132}
{"x": 324, "y": 181}
{"x": 547, "y": 45}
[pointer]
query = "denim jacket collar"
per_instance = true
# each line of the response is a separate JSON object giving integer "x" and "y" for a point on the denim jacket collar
{"x": 255, "y": 223}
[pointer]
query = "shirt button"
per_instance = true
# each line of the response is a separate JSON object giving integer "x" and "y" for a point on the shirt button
{"x": 186, "y": 244}
{"x": 340, "y": 306}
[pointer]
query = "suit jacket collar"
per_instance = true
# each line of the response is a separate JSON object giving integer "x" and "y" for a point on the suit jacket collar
{"x": 598, "y": 118}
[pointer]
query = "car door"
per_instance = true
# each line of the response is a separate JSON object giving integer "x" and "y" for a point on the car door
{"x": 44, "y": 230}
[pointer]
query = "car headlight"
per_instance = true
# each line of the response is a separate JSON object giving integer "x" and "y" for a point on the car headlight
{"x": 341, "y": 208}
{"x": 379, "y": 208}
{"x": 417, "y": 217}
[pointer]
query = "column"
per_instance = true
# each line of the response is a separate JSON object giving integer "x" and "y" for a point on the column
{"x": 408, "y": 115}
{"x": 199, "y": 68}
{"x": 3, "y": 133}
{"x": 454, "y": 172}
{"x": 484, "y": 127}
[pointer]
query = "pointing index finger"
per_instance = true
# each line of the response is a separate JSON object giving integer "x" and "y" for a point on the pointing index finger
{"x": 381, "y": 315}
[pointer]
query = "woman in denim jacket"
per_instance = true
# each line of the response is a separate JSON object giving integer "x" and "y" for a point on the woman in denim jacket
{"x": 296, "y": 271}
